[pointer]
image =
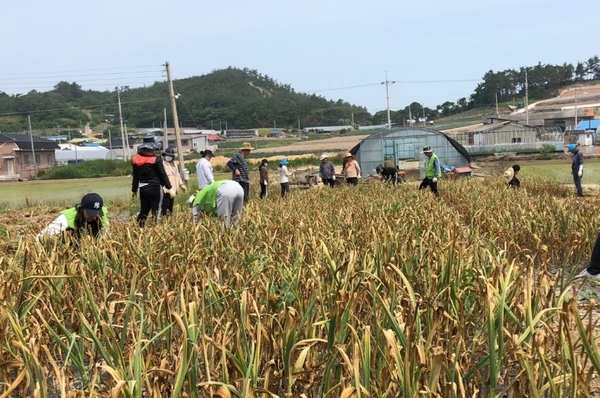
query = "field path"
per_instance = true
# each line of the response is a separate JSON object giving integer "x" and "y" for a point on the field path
{"x": 340, "y": 143}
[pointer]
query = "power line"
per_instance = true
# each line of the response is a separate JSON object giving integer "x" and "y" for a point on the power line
{"x": 342, "y": 88}
{"x": 79, "y": 107}
{"x": 73, "y": 77}
{"x": 83, "y": 70}
{"x": 50, "y": 87}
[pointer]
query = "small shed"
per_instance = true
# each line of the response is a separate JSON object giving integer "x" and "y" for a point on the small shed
{"x": 277, "y": 134}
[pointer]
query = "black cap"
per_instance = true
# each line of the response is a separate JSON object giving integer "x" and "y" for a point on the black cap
{"x": 93, "y": 203}
{"x": 169, "y": 152}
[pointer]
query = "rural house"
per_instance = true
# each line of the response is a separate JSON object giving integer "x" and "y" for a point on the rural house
{"x": 16, "y": 155}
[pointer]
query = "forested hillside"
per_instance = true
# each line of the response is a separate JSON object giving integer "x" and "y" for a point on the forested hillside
{"x": 235, "y": 97}
{"x": 244, "y": 98}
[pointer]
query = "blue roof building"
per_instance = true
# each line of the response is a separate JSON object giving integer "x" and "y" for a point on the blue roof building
{"x": 590, "y": 124}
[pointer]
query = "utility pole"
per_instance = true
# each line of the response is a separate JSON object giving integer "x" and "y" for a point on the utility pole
{"x": 424, "y": 121}
{"x": 576, "y": 107}
{"x": 274, "y": 126}
{"x": 299, "y": 131}
{"x": 123, "y": 140}
{"x": 110, "y": 144}
{"x": 176, "y": 123}
{"x": 166, "y": 132}
{"x": 410, "y": 121}
{"x": 387, "y": 98}
{"x": 526, "y": 99}
{"x": 32, "y": 147}
{"x": 352, "y": 120}
{"x": 497, "y": 112}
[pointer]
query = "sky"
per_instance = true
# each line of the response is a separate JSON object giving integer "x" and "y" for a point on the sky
{"x": 434, "y": 50}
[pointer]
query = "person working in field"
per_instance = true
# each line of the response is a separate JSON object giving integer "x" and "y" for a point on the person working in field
{"x": 174, "y": 178}
{"x": 89, "y": 217}
{"x": 149, "y": 177}
{"x": 351, "y": 170}
{"x": 593, "y": 269}
{"x": 510, "y": 175}
{"x": 433, "y": 171}
{"x": 327, "y": 171}
{"x": 204, "y": 170}
{"x": 388, "y": 174}
{"x": 223, "y": 198}
{"x": 284, "y": 177}
{"x": 577, "y": 168}
{"x": 239, "y": 168}
{"x": 264, "y": 178}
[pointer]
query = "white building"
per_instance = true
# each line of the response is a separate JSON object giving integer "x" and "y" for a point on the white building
{"x": 69, "y": 153}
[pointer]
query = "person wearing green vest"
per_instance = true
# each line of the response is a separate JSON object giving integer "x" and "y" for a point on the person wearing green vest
{"x": 433, "y": 171}
{"x": 90, "y": 216}
{"x": 223, "y": 198}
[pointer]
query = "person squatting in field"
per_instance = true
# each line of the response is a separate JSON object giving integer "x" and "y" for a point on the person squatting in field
{"x": 388, "y": 174}
{"x": 149, "y": 177}
{"x": 593, "y": 269}
{"x": 239, "y": 168}
{"x": 577, "y": 168}
{"x": 174, "y": 178}
{"x": 510, "y": 175}
{"x": 223, "y": 198}
{"x": 88, "y": 217}
{"x": 433, "y": 171}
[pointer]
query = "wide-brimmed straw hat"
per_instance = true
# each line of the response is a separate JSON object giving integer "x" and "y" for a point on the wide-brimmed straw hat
{"x": 427, "y": 149}
{"x": 323, "y": 156}
{"x": 246, "y": 146}
{"x": 349, "y": 155}
{"x": 509, "y": 174}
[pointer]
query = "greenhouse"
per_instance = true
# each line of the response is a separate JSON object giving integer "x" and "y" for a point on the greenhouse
{"x": 406, "y": 143}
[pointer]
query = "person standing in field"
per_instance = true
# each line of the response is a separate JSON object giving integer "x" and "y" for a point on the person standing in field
{"x": 327, "y": 171}
{"x": 224, "y": 199}
{"x": 239, "y": 168}
{"x": 172, "y": 171}
{"x": 510, "y": 175}
{"x": 351, "y": 170}
{"x": 284, "y": 177}
{"x": 577, "y": 168}
{"x": 264, "y": 178}
{"x": 204, "y": 170}
{"x": 149, "y": 177}
{"x": 90, "y": 216}
{"x": 433, "y": 171}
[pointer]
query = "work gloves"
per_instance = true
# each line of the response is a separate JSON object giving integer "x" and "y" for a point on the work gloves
{"x": 580, "y": 172}
{"x": 172, "y": 192}
{"x": 434, "y": 179}
{"x": 133, "y": 195}
{"x": 183, "y": 188}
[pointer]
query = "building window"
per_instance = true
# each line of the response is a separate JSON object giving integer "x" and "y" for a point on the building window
{"x": 49, "y": 159}
{"x": 37, "y": 159}
{"x": 184, "y": 142}
{"x": 516, "y": 140}
{"x": 171, "y": 143}
{"x": 26, "y": 159}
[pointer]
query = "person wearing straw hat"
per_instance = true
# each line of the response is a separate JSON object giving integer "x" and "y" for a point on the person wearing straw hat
{"x": 510, "y": 175}
{"x": 90, "y": 216}
{"x": 327, "y": 171}
{"x": 577, "y": 168}
{"x": 351, "y": 169}
{"x": 433, "y": 171}
{"x": 239, "y": 168}
{"x": 175, "y": 179}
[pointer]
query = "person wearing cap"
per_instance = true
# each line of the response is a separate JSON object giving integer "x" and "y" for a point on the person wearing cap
{"x": 149, "y": 177}
{"x": 351, "y": 169}
{"x": 284, "y": 177}
{"x": 204, "y": 170}
{"x": 174, "y": 176}
{"x": 577, "y": 168}
{"x": 264, "y": 178}
{"x": 433, "y": 171}
{"x": 239, "y": 168}
{"x": 90, "y": 216}
{"x": 327, "y": 171}
{"x": 388, "y": 174}
{"x": 510, "y": 175}
{"x": 223, "y": 198}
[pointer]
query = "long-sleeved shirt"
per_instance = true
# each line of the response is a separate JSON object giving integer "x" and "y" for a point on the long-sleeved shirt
{"x": 327, "y": 170}
{"x": 284, "y": 176}
{"x": 148, "y": 170}
{"x": 238, "y": 162}
{"x": 204, "y": 172}
{"x": 66, "y": 221}
{"x": 577, "y": 162}
{"x": 264, "y": 175}
{"x": 352, "y": 169}
{"x": 173, "y": 174}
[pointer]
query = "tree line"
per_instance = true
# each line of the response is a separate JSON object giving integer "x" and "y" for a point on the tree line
{"x": 244, "y": 98}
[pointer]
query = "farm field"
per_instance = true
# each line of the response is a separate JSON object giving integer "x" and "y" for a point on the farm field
{"x": 376, "y": 291}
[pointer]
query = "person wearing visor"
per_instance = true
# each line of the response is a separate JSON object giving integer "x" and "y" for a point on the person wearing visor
{"x": 89, "y": 217}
